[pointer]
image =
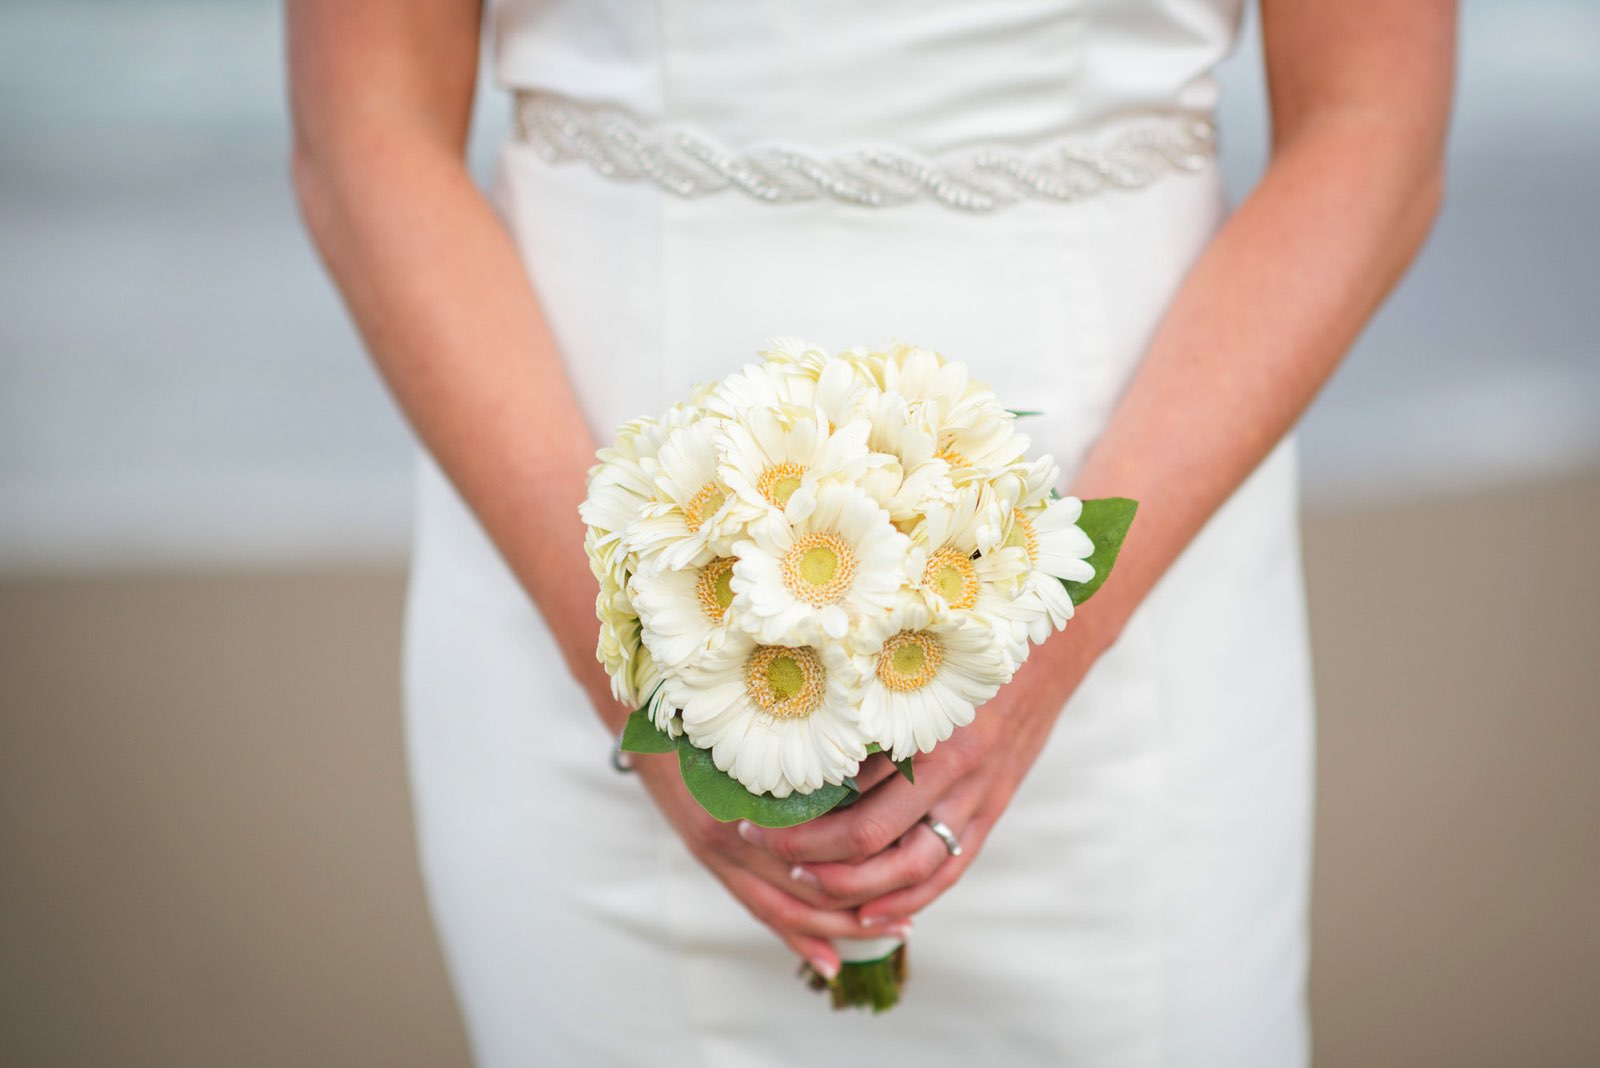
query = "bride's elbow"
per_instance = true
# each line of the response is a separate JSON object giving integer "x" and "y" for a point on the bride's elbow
{"x": 315, "y": 181}
{"x": 304, "y": 178}
{"x": 311, "y": 184}
{"x": 1426, "y": 202}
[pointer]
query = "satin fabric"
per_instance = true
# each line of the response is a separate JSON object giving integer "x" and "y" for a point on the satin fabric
{"x": 1143, "y": 900}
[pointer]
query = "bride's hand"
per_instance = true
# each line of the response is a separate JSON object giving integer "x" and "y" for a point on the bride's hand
{"x": 875, "y": 855}
{"x": 803, "y": 917}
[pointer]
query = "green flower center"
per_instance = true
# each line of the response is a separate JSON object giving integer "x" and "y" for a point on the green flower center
{"x": 702, "y": 506}
{"x": 818, "y": 568}
{"x": 714, "y": 588}
{"x": 951, "y": 575}
{"x": 778, "y": 482}
{"x": 785, "y": 677}
{"x": 818, "y": 565}
{"x": 909, "y": 660}
{"x": 1023, "y": 536}
{"x": 785, "y": 683}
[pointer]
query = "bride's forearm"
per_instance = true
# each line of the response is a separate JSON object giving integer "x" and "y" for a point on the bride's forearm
{"x": 1260, "y": 323}
{"x": 442, "y": 301}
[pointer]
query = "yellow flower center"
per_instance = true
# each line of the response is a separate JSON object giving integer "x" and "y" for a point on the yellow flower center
{"x": 953, "y": 456}
{"x": 778, "y": 482}
{"x": 785, "y": 683}
{"x": 909, "y": 660}
{"x": 714, "y": 589}
{"x": 702, "y": 506}
{"x": 1022, "y": 534}
{"x": 951, "y": 575}
{"x": 819, "y": 567}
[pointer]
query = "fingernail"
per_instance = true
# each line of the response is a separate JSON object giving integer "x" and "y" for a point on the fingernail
{"x": 826, "y": 968}
{"x": 871, "y": 921}
{"x": 800, "y": 875}
{"x": 898, "y": 930}
{"x": 749, "y": 832}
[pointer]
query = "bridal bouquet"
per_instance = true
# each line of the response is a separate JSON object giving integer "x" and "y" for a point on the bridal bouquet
{"x": 824, "y": 556}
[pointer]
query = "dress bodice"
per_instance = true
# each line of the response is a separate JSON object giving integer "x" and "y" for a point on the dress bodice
{"x": 928, "y": 75}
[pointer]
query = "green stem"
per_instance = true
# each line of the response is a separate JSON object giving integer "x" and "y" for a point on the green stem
{"x": 873, "y": 984}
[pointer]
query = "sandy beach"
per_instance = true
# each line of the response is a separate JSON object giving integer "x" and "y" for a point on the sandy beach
{"x": 205, "y": 847}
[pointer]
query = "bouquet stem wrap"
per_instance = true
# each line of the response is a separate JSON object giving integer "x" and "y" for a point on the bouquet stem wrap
{"x": 871, "y": 973}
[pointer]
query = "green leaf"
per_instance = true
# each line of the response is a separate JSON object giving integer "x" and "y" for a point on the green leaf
{"x": 1106, "y": 520}
{"x": 903, "y": 765}
{"x": 1022, "y": 412}
{"x": 726, "y": 798}
{"x": 640, "y": 735}
{"x": 905, "y": 769}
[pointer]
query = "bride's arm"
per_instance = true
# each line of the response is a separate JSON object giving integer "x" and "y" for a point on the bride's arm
{"x": 1360, "y": 95}
{"x": 1360, "y": 99}
{"x": 381, "y": 93}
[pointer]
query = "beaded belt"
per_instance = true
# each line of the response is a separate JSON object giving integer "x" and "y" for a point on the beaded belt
{"x": 688, "y": 163}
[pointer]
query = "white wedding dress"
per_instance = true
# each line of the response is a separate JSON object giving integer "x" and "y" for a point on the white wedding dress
{"x": 1019, "y": 184}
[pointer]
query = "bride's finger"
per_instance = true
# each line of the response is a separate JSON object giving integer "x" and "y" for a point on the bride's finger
{"x": 912, "y": 860}
{"x": 778, "y": 875}
{"x": 871, "y": 825}
{"x": 732, "y": 851}
{"x": 908, "y": 862}
{"x": 913, "y": 899}
{"x": 817, "y": 952}
{"x": 787, "y": 914}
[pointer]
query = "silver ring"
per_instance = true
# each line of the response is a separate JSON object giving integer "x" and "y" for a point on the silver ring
{"x": 620, "y": 760}
{"x": 952, "y": 844}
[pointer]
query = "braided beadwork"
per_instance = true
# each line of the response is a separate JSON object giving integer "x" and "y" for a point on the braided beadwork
{"x": 688, "y": 163}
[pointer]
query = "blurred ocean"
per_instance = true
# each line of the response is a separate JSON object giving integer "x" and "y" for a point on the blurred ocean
{"x": 178, "y": 383}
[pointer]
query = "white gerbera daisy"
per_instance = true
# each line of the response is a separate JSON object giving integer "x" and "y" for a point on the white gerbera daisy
{"x": 986, "y": 446}
{"x": 973, "y": 433}
{"x": 906, "y": 474}
{"x": 618, "y": 487}
{"x": 774, "y": 461}
{"x": 1057, "y": 549}
{"x": 762, "y": 385}
{"x": 778, "y": 719}
{"x": 834, "y": 572}
{"x": 620, "y": 648}
{"x": 690, "y": 516}
{"x": 925, "y": 377}
{"x": 958, "y": 567}
{"x": 920, "y": 374}
{"x": 795, "y": 376}
{"x": 684, "y": 613}
{"x": 785, "y": 348}
{"x": 930, "y": 677}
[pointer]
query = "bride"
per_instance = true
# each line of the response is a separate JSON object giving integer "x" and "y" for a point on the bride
{"x": 1029, "y": 186}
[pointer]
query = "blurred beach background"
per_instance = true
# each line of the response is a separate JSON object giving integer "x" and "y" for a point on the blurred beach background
{"x": 205, "y": 841}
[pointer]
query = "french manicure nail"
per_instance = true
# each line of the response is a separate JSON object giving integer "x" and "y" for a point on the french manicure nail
{"x": 749, "y": 832}
{"x": 826, "y": 968}
{"x": 871, "y": 921}
{"x": 800, "y": 875}
{"x": 898, "y": 930}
